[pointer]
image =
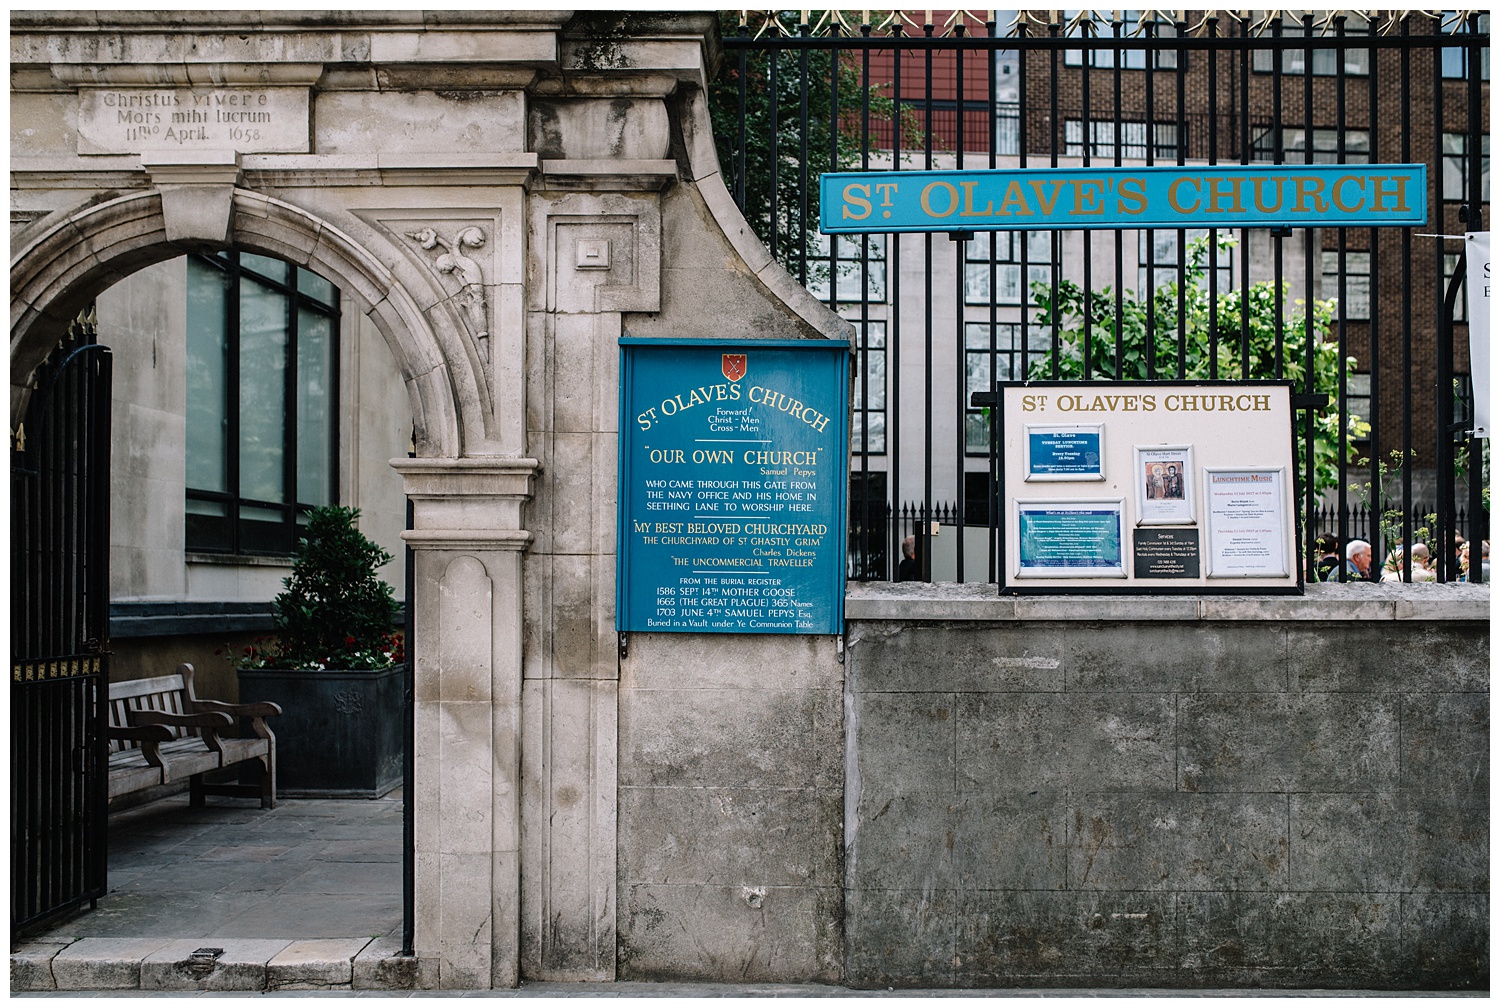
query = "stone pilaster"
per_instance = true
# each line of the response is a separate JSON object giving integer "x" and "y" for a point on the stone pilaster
{"x": 467, "y": 543}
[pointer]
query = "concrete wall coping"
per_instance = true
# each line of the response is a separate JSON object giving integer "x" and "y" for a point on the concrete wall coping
{"x": 882, "y": 600}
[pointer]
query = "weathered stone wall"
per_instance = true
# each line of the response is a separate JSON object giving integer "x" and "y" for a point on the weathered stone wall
{"x": 1169, "y": 792}
{"x": 731, "y": 800}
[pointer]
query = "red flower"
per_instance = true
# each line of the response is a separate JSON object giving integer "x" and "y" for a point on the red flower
{"x": 349, "y": 641}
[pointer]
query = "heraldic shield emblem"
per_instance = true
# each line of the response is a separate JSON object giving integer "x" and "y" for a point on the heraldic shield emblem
{"x": 734, "y": 366}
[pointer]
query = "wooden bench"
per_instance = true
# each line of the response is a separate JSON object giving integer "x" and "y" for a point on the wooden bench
{"x": 160, "y": 732}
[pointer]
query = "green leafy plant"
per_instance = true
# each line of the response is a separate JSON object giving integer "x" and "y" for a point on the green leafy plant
{"x": 1157, "y": 315}
{"x": 774, "y": 189}
{"x": 334, "y": 612}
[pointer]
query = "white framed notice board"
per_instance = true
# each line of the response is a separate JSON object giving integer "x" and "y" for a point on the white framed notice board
{"x": 1147, "y": 488}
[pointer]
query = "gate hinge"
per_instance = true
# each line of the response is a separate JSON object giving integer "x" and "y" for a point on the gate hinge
{"x": 624, "y": 645}
{"x": 839, "y": 640}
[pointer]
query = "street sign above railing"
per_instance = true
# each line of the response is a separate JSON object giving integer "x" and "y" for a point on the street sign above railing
{"x": 1179, "y": 196}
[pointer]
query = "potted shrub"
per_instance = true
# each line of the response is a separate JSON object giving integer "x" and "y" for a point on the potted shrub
{"x": 335, "y": 665}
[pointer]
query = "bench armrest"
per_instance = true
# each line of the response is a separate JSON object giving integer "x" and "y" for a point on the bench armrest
{"x": 150, "y": 736}
{"x": 210, "y": 720}
{"x": 258, "y": 710}
{"x": 141, "y": 733}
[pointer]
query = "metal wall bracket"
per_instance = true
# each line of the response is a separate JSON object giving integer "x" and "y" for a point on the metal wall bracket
{"x": 624, "y": 645}
{"x": 840, "y": 641}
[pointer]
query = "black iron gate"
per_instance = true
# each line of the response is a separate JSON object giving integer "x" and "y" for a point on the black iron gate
{"x": 1356, "y": 317}
{"x": 59, "y": 633}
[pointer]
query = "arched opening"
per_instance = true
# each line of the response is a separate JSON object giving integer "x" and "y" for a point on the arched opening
{"x": 314, "y": 344}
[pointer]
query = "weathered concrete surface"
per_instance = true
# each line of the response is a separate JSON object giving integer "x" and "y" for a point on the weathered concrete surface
{"x": 731, "y": 809}
{"x": 1185, "y": 800}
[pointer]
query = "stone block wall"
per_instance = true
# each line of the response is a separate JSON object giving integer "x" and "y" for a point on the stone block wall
{"x": 731, "y": 809}
{"x": 1168, "y": 792}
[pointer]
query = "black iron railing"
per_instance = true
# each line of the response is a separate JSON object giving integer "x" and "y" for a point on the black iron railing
{"x": 940, "y": 318}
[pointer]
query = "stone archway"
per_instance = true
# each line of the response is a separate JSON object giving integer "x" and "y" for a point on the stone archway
{"x": 508, "y": 194}
{"x": 72, "y": 256}
{"x": 467, "y": 537}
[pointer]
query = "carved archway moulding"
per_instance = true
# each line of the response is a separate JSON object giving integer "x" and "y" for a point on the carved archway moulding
{"x": 76, "y": 254}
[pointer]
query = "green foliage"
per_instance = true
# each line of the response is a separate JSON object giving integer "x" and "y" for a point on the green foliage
{"x": 1160, "y": 310}
{"x": 335, "y": 612}
{"x": 780, "y": 222}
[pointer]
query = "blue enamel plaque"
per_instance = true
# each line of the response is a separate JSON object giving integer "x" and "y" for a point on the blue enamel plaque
{"x": 1064, "y": 453}
{"x": 1176, "y": 196}
{"x": 734, "y": 464}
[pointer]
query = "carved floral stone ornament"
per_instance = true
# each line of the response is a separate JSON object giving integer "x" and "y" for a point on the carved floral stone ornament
{"x": 470, "y": 298}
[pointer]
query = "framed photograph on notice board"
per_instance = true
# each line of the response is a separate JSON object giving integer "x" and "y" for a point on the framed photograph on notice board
{"x": 1163, "y": 490}
{"x": 1058, "y": 452}
{"x": 1071, "y": 538}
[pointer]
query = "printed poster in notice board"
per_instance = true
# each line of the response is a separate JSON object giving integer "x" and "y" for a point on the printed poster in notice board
{"x": 734, "y": 468}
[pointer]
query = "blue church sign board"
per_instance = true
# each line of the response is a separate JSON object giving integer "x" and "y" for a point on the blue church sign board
{"x": 734, "y": 464}
{"x": 1176, "y": 196}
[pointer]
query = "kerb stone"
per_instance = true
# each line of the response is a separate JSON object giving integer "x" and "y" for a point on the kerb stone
{"x": 241, "y": 966}
{"x": 103, "y": 963}
{"x": 315, "y": 964}
{"x": 31, "y": 966}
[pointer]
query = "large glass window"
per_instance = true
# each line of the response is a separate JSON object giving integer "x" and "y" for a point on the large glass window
{"x": 1452, "y": 268}
{"x": 262, "y": 392}
{"x": 1325, "y": 62}
{"x": 1456, "y": 61}
{"x": 983, "y": 366}
{"x": 869, "y": 390}
{"x": 858, "y": 259}
{"x": 1356, "y": 282}
{"x": 1161, "y": 255}
{"x": 1456, "y": 166}
{"x": 1325, "y": 146}
{"x": 1007, "y": 266}
{"x": 1130, "y": 27}
{"x": 1131, "y": 139}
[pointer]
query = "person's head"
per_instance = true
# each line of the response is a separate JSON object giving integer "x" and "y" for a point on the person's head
{"x": 909, "y": 547}
{"x": 1421, "y": 554}
{"x": 1156, "y": 470}
{"x": 1358, "y": 553}
{"x": 1171, "y": 470}
{"x": 1328, "y": 544}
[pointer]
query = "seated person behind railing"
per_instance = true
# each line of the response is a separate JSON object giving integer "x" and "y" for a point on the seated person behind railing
{"x": 909, "y": 569}
{"x": 1327, "y": 567}
{"x": 1484, "y": 561}
{"x": 1421, "y": 565}
{"x": 1357, "y": 555}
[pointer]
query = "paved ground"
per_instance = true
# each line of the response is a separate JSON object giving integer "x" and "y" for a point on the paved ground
{"x": 721, "y": 991}
{"x": 309, "y": 868}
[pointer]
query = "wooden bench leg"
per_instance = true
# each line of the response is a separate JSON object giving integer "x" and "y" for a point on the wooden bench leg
{"x": 195, "y": 791}
{"x": 268, "y": 782}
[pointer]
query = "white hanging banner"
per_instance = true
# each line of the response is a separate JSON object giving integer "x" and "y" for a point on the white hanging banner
{"x": 1477, "y": 255}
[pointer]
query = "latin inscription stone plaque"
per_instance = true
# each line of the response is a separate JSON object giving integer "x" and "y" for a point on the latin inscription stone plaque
{"x": 245, "y": 119}
{"x": 733, "y": 468}
{"x": 1166, "y": 553}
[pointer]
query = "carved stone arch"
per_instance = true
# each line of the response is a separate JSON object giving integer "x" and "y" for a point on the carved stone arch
{"x": 72, "y": 255}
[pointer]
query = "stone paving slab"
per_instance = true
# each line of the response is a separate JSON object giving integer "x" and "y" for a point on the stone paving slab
{"x": 240, "y": 964}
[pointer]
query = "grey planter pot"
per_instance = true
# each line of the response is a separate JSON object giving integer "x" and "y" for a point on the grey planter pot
{"x": 340, "y": 731}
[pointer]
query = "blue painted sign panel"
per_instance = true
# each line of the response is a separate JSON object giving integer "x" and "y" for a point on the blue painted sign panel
{"x": 1070, "y": 537}
{"x": 734, "y": 463}
{"x": 1064, "y": 453}
{"x": 1193, "y": 196}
